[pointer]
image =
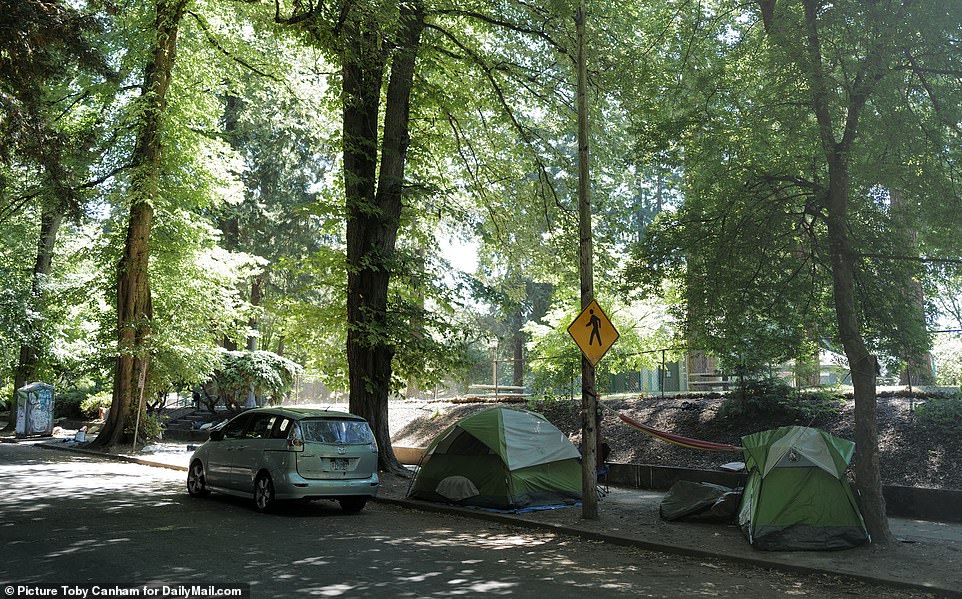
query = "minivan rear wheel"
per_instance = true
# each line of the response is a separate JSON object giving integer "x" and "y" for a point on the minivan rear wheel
{"x": 197, "y": 480}
{"x": 352, "y": 505}
{"x": 263, "y": 492}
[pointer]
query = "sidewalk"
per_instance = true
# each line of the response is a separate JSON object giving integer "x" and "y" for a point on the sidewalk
{"x": 927, "y": 556}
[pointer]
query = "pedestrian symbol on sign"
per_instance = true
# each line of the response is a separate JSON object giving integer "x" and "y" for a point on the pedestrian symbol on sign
{"x": 593, "y": 332}
{"x": 595, "y": 323}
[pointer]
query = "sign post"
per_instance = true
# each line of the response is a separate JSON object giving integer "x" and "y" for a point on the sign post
{"x": 589, "y": 399}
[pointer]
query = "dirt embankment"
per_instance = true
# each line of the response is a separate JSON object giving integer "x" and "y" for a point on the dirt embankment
{"x": 911, "y": 453}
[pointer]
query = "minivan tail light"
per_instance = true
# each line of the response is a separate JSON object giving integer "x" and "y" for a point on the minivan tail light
{"x": 294, "y": 440}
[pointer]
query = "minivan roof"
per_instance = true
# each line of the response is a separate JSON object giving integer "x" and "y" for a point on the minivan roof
{"x": 296, "y": 413}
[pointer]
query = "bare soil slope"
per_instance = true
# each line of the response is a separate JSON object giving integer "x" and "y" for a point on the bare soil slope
{"x": 912, "y": 454}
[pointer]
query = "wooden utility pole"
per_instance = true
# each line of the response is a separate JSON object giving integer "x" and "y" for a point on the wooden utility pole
{"x": 589, "y": 399}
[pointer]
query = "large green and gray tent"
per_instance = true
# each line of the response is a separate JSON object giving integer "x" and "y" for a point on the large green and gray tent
{"x": 501, "y": 458}
{"x": 797, "y": 495}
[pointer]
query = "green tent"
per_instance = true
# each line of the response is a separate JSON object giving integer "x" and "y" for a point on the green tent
{"x": 500, "y": 458}
{"x": 797, "y": 496}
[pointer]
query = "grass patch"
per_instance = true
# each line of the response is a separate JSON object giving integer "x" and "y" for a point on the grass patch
{"x": 944, "y": 414}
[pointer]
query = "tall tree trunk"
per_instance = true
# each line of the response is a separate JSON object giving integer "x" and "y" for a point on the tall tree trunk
{"x": 257, "y": 294}
{"x": 230, "y": 229}
{"x": 808, "y": 369}
{"x": 50, "y": 221}
{"x": 416, "y": 327}
{"x": 373, "y": 213}
{"x": 134, "y": 310}
{"x": 806, "y": 51}
{"x": 918, "y": 360}
{"x": 868, "y": 478}
{"x": 517, "y": 342}
{"x": 229, "y": 223}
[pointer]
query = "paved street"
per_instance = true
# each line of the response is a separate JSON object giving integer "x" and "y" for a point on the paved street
{"x": 67, "y": 518}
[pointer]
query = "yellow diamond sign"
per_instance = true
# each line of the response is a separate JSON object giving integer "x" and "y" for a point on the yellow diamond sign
{"x": 593, "y": 332}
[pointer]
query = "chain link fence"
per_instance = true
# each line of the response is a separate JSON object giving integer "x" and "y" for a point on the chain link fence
{"x": 694, "y": 371}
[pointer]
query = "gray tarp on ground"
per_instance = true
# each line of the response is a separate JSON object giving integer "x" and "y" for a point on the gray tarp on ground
{"x": 703, "y": 502}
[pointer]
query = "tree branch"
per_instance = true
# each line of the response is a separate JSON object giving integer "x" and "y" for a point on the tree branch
{"x": 930, "y": 92}
{"x": 526, "y": 136}
{"x": 921, "y": 259}
{"x": 541, "y": 34}
{"x": 214, "y": 42}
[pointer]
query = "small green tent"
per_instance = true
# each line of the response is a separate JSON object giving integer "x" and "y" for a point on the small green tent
{"x": 500, "y": 458}
{"x": 797, "y": 496}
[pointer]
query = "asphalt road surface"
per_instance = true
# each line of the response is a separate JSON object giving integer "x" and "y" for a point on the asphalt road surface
{"x": 78, "y": 520}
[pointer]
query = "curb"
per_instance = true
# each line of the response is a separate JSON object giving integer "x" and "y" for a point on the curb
{"x": 112, "y": 456}
{"x": 587, "y": 535}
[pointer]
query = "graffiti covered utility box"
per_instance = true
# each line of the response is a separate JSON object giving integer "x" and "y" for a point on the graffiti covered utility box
{"x": 34, "y": 410}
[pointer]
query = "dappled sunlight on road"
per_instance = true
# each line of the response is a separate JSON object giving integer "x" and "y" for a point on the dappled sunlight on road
{"x": 85, "y": 479}
{"x": 64, "y": 517}
{"x": 441, "y": 537}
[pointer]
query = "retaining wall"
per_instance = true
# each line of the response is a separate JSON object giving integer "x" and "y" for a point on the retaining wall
{"x": 937, "y": 505}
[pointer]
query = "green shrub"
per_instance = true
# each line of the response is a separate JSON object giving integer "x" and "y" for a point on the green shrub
{"x": 150, "y": 428}
{"x": 776, "y": 399}
{"x": 6, "y": 397}
{"x": 92, "y": 404}
{"x": 755, "y": 398}
{"x": 941, "y": 413}
{"x": 816, "y": 405}
{"x": 67, "y": 404}
{"x": 68, "y": 401}
{"x": 271, "y": 375}
{"x": 548, "y": 395}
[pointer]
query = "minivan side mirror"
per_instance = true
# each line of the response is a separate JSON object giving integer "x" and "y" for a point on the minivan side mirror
{"x": 217, "y": 435}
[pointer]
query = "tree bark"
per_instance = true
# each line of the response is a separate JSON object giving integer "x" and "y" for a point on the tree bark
{"x": 918, "y": 360}
{"x": 517, "y": 341}
{"x": 589, "y": 396}
{"x": 229, "y": 223}
{"x": 257, "y": 294}
{"x": 134, "y": 310}
{"x": 50, "y": 221}
{"x": 808, "y": 369}
{"x": 416, "y": 325}
{"x": 373, "y": 213}
{"x": 868, "y": 478}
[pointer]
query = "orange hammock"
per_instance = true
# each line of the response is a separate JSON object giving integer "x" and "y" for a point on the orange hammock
{"x": 678, "y": 439}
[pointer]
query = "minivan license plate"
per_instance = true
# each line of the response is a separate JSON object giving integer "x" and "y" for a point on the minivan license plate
{"x": 339, "y": 463}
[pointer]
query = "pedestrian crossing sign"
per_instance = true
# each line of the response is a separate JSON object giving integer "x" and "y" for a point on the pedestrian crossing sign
{"x": 593, "y": 332}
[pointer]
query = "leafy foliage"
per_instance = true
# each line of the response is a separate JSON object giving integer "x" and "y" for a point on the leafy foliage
{"x": 268, "y": 374}
{"x": 948, "y": 355}
{"x": 149, "y": 428}
{"x": 943, "y": 414}
{"x": 644, "y": 330}
{"x": 92, "y": 404}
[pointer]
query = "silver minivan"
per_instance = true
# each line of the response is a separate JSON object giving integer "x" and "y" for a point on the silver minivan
{"x": 274, "y": 454}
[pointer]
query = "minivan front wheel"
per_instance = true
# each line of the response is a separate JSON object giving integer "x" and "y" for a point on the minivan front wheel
{"x": 197, "y": 480}
{"x": 352, "y": 505}
{"x": 263, "y": 492}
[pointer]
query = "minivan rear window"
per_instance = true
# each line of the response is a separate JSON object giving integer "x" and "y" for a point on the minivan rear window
{"x": 351, "y": 432}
